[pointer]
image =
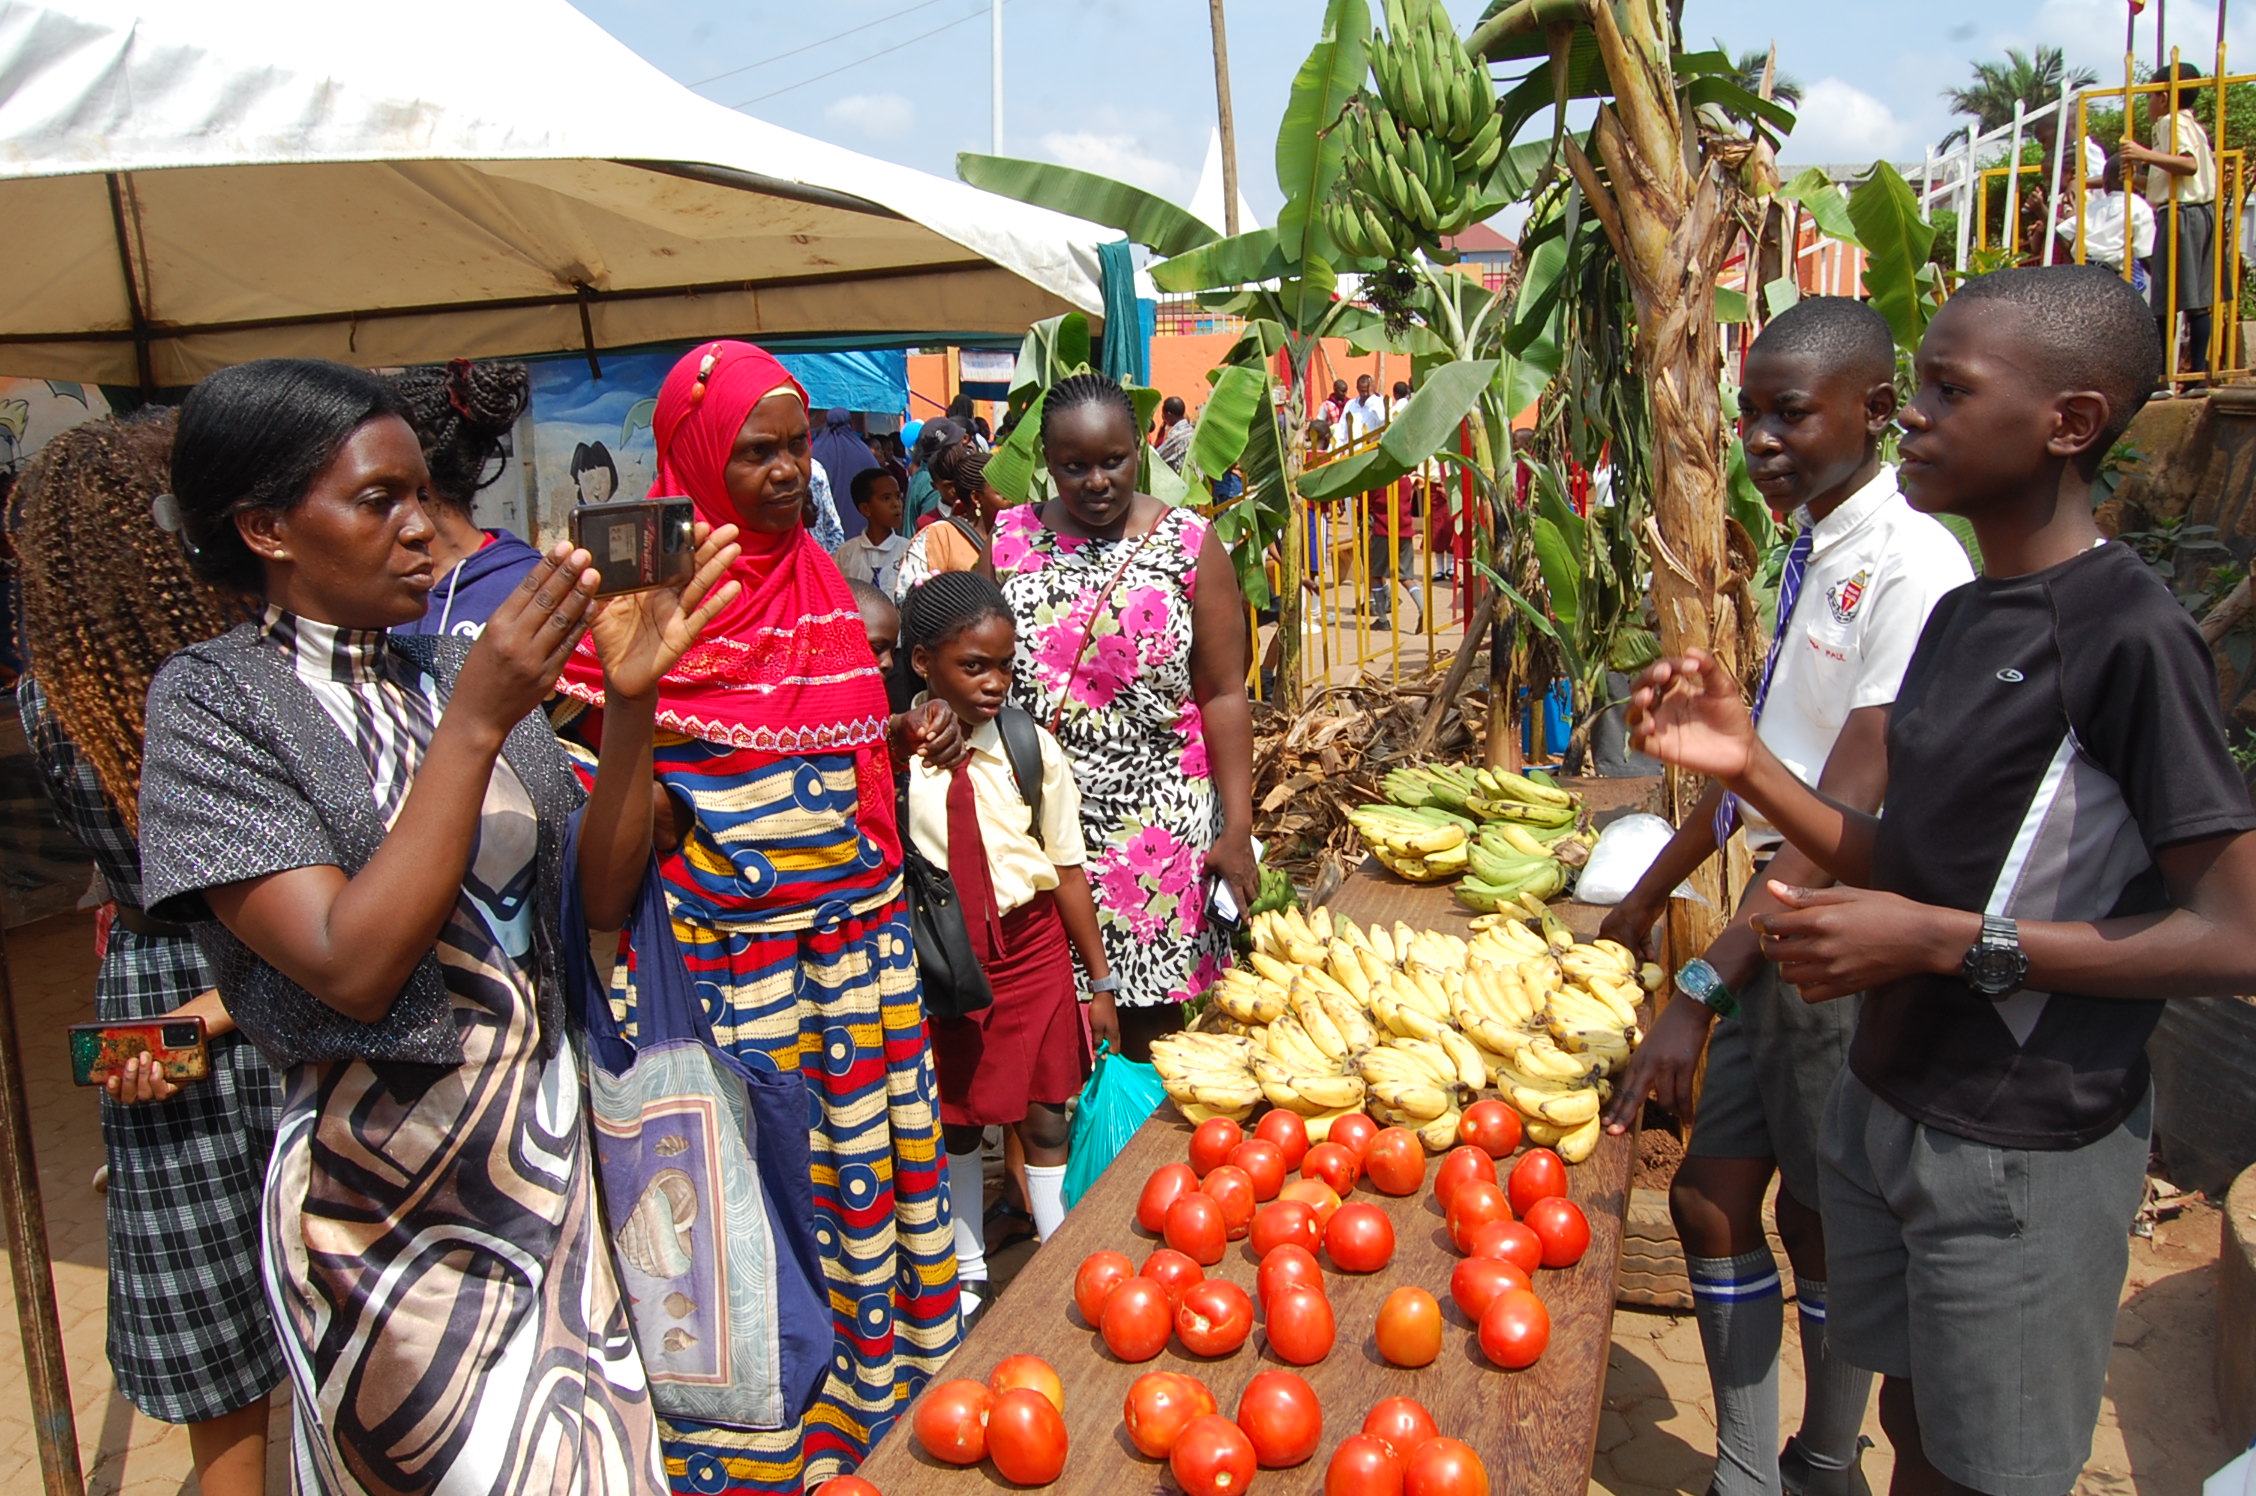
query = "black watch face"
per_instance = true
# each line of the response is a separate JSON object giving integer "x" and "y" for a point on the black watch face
{"x": 1995, "y": 969}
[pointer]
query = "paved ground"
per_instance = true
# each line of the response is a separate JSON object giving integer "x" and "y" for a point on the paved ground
{"x": 2158, "y": 1436}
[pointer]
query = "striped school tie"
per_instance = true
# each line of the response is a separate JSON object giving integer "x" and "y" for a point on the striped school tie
{"x": 1789, "y": 590}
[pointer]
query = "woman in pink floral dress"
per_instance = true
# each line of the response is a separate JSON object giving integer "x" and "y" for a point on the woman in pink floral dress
{"x": 1132, "y": 650}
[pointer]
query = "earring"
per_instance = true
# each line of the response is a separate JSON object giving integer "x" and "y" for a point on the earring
{"x": 281, "y": 555}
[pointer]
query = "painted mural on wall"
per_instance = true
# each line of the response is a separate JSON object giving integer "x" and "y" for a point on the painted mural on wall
{"x": 34, "y": 410}
{"x": 591, "y": 437}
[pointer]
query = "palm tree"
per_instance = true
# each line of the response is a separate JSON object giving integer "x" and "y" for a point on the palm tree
{"x": 2033, "y": 81}
{"x": 1747, "y": 70}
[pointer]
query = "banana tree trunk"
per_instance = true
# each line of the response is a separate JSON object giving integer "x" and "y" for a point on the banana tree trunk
{"x": 1668, "y": 208}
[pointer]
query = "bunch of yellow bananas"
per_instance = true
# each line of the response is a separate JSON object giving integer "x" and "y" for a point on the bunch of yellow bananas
{"x": 1207, "y": 1075}
{"x": 1421, "y": 843}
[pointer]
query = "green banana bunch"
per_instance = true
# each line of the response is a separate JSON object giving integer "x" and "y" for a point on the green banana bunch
{"x": 1543, "y": 880}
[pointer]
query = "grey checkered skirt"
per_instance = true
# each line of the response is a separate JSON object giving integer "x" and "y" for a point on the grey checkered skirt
{"x": 190, "y": 1333}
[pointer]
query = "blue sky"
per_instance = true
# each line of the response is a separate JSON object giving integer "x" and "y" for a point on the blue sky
{"x": 1128, "y": 88}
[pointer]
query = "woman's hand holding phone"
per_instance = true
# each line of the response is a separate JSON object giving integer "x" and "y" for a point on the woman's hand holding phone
{"x": 642, "y": 635}
{"x": 514, "y": 665}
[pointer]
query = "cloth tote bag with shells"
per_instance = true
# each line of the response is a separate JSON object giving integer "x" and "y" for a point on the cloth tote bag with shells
{"x": 707, "y": 1189}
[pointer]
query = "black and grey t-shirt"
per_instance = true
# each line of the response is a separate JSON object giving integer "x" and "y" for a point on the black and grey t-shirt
{"x": 2053, "y": 731}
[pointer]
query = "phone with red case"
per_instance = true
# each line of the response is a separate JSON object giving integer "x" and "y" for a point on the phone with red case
{"x": 100, "y": 1050}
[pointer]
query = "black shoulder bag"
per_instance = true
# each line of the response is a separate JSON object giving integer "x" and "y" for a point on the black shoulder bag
{"x": 955, "y": 985}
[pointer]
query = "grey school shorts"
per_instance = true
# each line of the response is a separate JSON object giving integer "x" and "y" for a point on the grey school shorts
{"x": 1987, "y": 1276}
{"x": 1770, "y": 1071}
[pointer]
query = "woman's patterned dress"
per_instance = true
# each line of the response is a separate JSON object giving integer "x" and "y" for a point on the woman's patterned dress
{"x": 433, "y": 1244}
{"x": 1131, "y": 729}
{"x": 792, "y": 926}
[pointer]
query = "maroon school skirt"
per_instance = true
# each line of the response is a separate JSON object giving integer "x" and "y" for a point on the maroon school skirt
{"x": 1031, "y": 1044}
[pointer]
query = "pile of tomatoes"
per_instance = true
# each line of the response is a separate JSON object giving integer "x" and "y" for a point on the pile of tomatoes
{"x": 1015, "y": 1418}
{"x": 1172, "y": 1416}
{"x": 1506, "y": 1231}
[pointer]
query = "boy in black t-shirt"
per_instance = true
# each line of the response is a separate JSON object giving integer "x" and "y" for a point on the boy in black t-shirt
{"x": 2056, "y": 758}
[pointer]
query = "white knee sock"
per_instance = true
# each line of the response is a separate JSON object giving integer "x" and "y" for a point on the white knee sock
{"x": 1045, "y": 1192}
{"x": 967, "y": 1197}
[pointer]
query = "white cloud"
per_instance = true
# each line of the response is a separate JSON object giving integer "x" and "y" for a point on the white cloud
{"x": 1121, "y": 156}
{"x": 886, "y": 116}
{"x": 1838, "y": 122}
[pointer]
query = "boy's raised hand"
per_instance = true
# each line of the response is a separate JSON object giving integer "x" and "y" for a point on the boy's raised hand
{"x": 642, "y": 635}
{"x": 1688, "y": 712}
{"x": 1830, "y": 942}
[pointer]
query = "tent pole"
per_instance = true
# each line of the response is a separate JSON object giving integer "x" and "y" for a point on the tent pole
{"x": 1222, "y": 115}
{"x": 995, "y": 40}
{"x": 132, "y": 287}
{"x": 587, "y": 329}
{"x": 53, "y": 1423}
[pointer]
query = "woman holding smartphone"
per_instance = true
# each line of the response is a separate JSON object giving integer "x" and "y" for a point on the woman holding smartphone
{"x": 369, "y": 828}
{"x": 107, "y": 598}
{"x": 1132, "y": 650}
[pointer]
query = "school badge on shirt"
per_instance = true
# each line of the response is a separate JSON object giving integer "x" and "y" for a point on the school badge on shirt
{"x": 1844, "y": 596}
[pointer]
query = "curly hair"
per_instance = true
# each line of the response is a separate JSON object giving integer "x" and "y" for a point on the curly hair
{"x": 461, "y": 412}
{"x": 107, "y": 596}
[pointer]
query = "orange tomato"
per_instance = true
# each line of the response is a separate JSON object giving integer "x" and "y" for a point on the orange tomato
{"x": 1409, "y": 1328}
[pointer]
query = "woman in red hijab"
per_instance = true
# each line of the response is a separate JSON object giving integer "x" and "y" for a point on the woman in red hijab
{"x": 776, "y": 747}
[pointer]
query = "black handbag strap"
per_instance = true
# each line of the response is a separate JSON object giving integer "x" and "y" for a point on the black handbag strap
{"x": 1022, "y": 745}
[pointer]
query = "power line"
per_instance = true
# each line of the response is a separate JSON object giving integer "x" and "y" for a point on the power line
{"x": 820, "y": 42}
{"x": 865, "y": 57}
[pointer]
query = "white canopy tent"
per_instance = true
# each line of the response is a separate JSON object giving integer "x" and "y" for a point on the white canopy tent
{"x": 186, "y": 184}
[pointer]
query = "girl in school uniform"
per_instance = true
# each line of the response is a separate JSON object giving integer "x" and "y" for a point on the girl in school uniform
{"x": 1014, "y": 1064}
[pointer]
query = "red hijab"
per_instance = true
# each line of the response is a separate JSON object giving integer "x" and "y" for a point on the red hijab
{"x": 786, "y": 669}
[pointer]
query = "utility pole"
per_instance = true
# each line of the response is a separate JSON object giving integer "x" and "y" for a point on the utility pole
{"x": 1229, "y": 131}
{"x": 995, "y": 35}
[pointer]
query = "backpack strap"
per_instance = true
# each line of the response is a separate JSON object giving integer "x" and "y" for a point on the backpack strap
{"x": 1022, "y": 745}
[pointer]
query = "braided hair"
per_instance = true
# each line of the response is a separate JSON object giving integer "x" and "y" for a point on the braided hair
{"x": 963, "y": 467}
{"x": 1085, "y": 389}
{"x": 945, "y": 604}
{"x": 107, "y": 595}
{"x": 461, "y": 411}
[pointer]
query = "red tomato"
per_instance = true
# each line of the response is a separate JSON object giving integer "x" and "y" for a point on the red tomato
{"x": 1195, "y": 1228}
{"x": 1395, "y": 1162}
{"x": 1212, "y": 1458}
{"x": 1212, "y": 1142}
{"x": 1214, "y": 1318}
{"x": 1360, "y": 1238}
{"x": 1027, "y": 1371}
{"x": 1301, "y": 1328}
{"x": 846, "y": 1485}
{"x": 1402, "y": 1422}
{"x": 1099, "y": 1274}
{"x": 1490, "y": 1126}
{"x": 1363, "y": 1466}
{"x": 1264, "y": 1163}
{"x": 1353, "y": 1132}
{"x": 1288, "y": 1132}
{"x": 1166, "y": 1182}
{"x": 1334, "y": 1164}
{"x": 1026, "y": 1437}
{"x": 1230, "y": 1187}
{"x": 1507, "y": 1241}
{"x": 1290, "y": 1266}
{"x": 1444, "y": 1467}
{"x": 1476, "y": 1203}
{"x": 1464, "y": 1162}
{"x": 1564, "y": 1230}
{"x": 1475, "y": 1283}
{"x": 1409, "y": 1328}
{"x": 1284, "y": 1223}
{"x": 1537, "y": 1176}
{"x": 1279, "y": 1412}
{"x": 1136, "y": 1320}
{"x": 1515, "y": 1328}
{"x": 1172, "y": 1271}
{"x": 1159, "y": 1405}
{"x": 951, "y": 1421}
{"x": 1316, "y": 1195}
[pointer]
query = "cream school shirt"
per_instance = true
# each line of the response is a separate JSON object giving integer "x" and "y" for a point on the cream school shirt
{"x": 1876, "y": 568}
{"x": 1018, "y": 866}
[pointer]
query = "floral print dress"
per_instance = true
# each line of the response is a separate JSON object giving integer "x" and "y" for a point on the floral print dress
{"x": 1123, "y": 711}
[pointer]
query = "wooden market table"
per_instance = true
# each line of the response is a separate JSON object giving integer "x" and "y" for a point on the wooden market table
{"x": 1536, "y": 1429}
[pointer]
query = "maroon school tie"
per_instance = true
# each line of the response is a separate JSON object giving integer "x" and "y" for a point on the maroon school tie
{"x": 967, "y": 865}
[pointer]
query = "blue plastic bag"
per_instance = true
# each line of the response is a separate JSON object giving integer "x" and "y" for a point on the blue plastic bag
{"x": 1119, "y": 1096}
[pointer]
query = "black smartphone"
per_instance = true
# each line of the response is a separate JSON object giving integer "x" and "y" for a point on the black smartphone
{"x": 638, "y": 544}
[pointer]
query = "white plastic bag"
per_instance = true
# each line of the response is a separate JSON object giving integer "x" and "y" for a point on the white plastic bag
{"x": 1625, "y": 850}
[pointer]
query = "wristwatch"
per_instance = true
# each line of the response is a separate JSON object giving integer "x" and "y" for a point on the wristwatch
{"x": 1995, "y": 965}
{"x": 1699, "y": 981}
{"x": 1104, "y": 984}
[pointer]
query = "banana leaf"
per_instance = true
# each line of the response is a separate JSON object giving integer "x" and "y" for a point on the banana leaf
{"x": 1147, "y": 219}
{"x": 1308, "y": 157}
{"x": 1815, "y": 191}
{"x": 1240, "y": 395}
{"x": 1424, "y": 425}
{"x": 1244, "y": 260}
{"x": 1896, "y": 240}
{"x": 1011, "y": 469}
{"x": 1561, "y": 566}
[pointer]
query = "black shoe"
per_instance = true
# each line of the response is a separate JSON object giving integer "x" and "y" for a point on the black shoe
{"x": 1007, "y": 1226}
{"x": 1795, "y": 1475}
{"x": 987, "y": 1295}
